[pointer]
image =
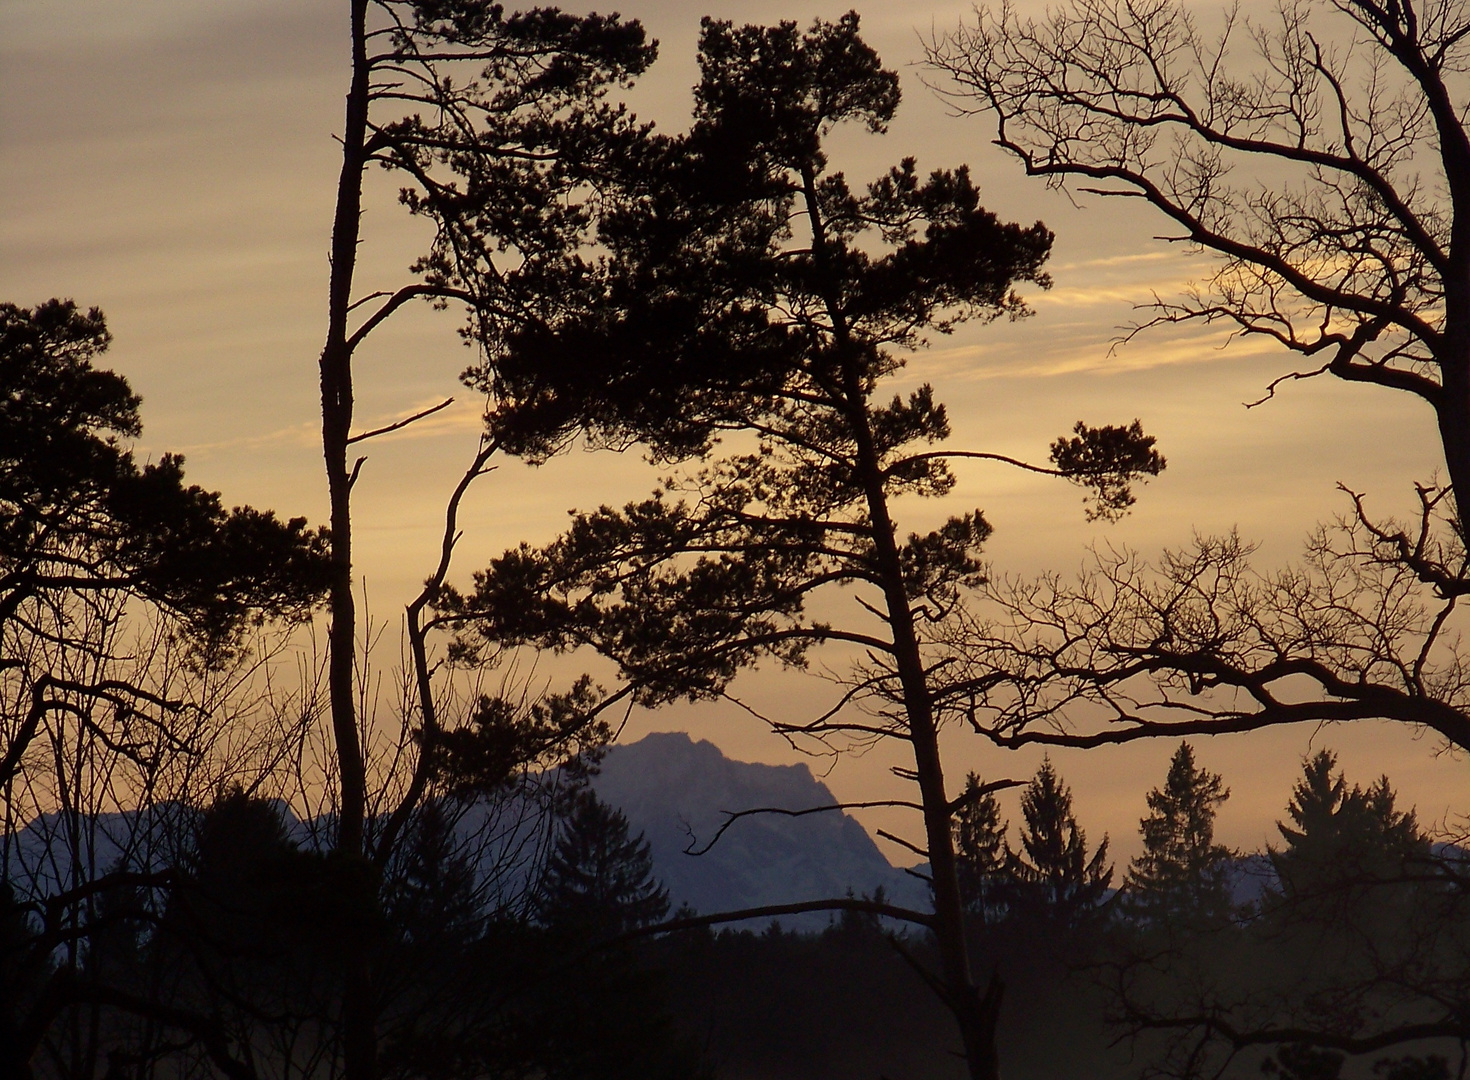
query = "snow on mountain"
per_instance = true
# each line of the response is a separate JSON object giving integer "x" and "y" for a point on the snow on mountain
{"x": 678, "y": 792}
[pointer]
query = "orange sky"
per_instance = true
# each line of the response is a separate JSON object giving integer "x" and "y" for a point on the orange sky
{"x": 172, "y": 162}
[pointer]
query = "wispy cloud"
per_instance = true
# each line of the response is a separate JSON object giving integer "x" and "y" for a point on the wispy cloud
{"x": 462, "y": 416}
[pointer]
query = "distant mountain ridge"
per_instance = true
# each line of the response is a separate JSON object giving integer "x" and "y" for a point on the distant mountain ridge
{"x": 674, "y": 789}
{"x": 678, "y": 792}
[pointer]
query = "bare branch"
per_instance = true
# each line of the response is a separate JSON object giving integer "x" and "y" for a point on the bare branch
{"x": 732, "y": 817}
{"x": 399, "y": 424}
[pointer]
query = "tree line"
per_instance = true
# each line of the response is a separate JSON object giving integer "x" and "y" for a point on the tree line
{"x": 1337, "y": 951}
{"x": 1200, "y": 957}
{"x": 730, "y": 302}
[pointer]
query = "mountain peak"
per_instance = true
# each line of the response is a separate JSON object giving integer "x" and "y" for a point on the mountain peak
{"x": 678, "y": 791}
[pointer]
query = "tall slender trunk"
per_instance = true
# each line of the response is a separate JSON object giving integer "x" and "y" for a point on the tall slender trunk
{"x": 359, "y": 1043}
{"x": 975, "y": 1013}
{"x": 1454, "y": 434}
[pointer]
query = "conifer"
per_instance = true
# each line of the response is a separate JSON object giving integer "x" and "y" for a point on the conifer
{"x": 1339, "y": 834}
{"x": 980, "y": 847}
{"x": 599, "y": 879}
{"x": 1052, "y": 876}
{"x": 1182, "y": 871}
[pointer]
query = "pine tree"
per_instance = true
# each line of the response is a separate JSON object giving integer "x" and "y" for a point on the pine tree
{"x": 751, "y": 286}
{"x": 980, "y": 847}
{"x": 1182, "y": 871}
{"x": 599, "y": 880}
{"x": 1052, "y": 876}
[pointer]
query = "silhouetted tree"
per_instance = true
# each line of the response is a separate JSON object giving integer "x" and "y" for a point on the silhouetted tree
{"x": 126, "y": 596}
{"x": 599, "y": 880}
{"x": 249, "y": 935}
{"x": 754, "y": 290}
{"x": 1319, "y": 157}
{"x": 1182, "y": 872}
{"x": 1350, "y": 256}
{"x": 78, "y": 513}
{"x": 1341, "y": 835}
{"x": 490, "y": 993}
{"x": 1359, "y": 949}
{"x": 497, "y": 125}
{"x": 980, "y": 850}
{"x": 432, "y": 897}
{"x": 84, "y": 527}
{"x": 451, "y": 958}
{"x": 1051, "y": 876}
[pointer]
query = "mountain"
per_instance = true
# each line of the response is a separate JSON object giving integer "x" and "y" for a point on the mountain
{"x": 678, "y": 792}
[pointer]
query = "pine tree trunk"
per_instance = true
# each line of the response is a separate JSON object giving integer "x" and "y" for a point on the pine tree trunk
{"x": 976, "y": 1013}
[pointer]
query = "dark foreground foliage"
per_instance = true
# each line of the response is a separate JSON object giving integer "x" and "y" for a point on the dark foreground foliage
{"x": 1341, "y": 954}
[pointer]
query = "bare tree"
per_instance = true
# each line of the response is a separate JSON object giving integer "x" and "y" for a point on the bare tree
{"x": 1330, "y": 174}
{"x": 1321, "y": 159}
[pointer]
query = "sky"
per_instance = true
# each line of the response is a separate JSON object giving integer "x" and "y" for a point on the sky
{"x": 173, "y": 162}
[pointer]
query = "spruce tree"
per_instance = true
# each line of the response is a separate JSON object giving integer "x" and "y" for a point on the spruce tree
{"x": 433, "y": 899}
{"x": 599, "y": 880}
{"x": 1051, "y": 877}
{"x": 1182, "y": 871}
{"x": 980, "y": 850}
{"x": 1340, "y": 835}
